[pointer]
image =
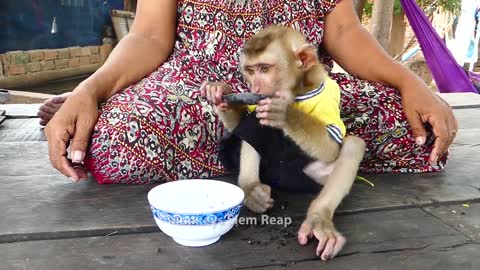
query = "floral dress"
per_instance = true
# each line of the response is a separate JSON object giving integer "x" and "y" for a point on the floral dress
{"x": 161, "y": 129}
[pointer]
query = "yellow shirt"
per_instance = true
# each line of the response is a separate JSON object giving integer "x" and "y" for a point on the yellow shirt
{"x": 324, "y": 104}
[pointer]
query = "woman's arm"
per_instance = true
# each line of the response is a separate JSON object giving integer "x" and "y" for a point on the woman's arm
{"x": 353, "y": 48}
{"x": 357, "y": 52}
{"x": 147, "y": 45}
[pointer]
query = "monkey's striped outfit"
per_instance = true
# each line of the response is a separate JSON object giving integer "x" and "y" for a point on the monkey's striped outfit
{"x": 161, "y": 129}
{"x": 322, "y": 103}
{"x": 281, "y": 160}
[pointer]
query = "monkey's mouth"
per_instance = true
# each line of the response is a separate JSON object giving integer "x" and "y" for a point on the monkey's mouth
{"x": 244, "y": 98}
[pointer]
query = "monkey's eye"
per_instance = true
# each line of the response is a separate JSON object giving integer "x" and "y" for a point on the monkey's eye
{"x": 250, "y": 71}
{"x": 264, "y": 69}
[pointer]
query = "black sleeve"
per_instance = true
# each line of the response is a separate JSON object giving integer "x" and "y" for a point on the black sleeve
{"x": 282, "y": 161}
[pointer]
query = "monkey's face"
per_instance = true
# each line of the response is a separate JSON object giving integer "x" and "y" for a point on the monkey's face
{"x": 262, "y": 78}
{"x": 268, "y": 73}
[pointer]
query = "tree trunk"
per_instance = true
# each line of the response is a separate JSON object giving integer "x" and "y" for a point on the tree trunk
{"x": 397, "y": 34}
{"x": 359, "y": 6}
{"x": 382, "y": 21}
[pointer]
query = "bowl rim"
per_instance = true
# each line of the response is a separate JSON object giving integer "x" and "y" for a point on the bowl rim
{"x": 236, "y": 204}
{"x": 198, "y": 214}
{"x": 235, "y": 212}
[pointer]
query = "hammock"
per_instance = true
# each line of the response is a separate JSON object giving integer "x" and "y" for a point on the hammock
{"x": 448, "y": 75}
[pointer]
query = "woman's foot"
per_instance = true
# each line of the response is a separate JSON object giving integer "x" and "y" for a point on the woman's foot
{"x": 50, "y": 107}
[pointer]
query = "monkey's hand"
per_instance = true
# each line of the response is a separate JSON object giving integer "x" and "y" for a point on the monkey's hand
{"x": 257, "y": 197}
{"x": 214, "y": 91}
{"x": 273, "y": 111}
{"x": 319, "y": 224}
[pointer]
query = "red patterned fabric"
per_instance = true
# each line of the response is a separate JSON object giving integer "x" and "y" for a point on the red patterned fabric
{"x": 161, "y": 129}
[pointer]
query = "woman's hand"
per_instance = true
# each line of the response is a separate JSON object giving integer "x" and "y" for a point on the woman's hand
{"x": 422, "y": 106}
{"x": 74, "y": 121}
{"x": 369, "y": 61}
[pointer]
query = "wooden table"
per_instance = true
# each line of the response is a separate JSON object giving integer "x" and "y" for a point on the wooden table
{"x": 408, "y": 221}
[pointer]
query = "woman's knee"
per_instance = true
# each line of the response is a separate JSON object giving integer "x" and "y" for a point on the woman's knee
{"x": 375, "y": 113}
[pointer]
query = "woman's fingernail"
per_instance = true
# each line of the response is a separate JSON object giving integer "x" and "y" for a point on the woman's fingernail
{"x": 73, "y": 179}
{"x": 78, "y": 156}
{"x": 420, "y": 140}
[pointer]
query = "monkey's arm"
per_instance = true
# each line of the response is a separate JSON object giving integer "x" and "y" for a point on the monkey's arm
{"x": 311, "y": 135}
{"x": 249, "y": 166}
{"x": 232, "y": 116}
{"x": 337, "y": 185}
{"x": 257, "y": 195}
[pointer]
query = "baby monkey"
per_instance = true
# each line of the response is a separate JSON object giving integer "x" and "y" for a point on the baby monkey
{"x": 302, "y": 113}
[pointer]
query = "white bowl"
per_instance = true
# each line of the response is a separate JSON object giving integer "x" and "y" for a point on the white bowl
{"x": 195, "y": 212}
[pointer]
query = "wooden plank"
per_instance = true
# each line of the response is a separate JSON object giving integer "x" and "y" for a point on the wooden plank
{"x": 244, "y": 247}
{"x": 25, "y": 159}
{"x": 2, "y": 116}
{"x": 52, "y": 206}
{"x": 460, "y": 217}
{"x": 461, "y": 100}
{"x": 456, "y": 100}
{"x": 4, "y": 96}
{"x": 18, "y": 130}
{"x": 455, "y": 257}
{"x": 31, "y": 158}
{"x": 468, "y": 118}
{"x": 469, "y": 101}
{"x": 20, "y": 110}
{"x": 21, "y": 130}
{"x": 457, "y": 183}
{"x": 52, "y": 202}
{"x": 467, "y": 137}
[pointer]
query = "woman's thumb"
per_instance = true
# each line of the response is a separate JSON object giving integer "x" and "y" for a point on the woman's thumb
{"x": 80, "y": 141}
{"x": 418, "y": 130}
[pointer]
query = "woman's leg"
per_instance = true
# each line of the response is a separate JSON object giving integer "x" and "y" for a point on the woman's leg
{"x": 375, "y": 113}
{"x": 154, "y": 131}
{"x": 50, "y": 107}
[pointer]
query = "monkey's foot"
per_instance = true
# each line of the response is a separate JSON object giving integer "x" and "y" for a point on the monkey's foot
{"x": 50, "y": 107}
{"x": 257, "y": 198}
{"x": 330, "y": 241}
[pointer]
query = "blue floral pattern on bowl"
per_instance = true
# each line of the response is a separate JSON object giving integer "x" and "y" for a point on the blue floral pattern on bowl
{"x": 196, "y": 219}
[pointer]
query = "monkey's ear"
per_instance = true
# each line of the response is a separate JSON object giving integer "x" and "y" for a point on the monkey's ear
{"x": 307, "y": 55}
